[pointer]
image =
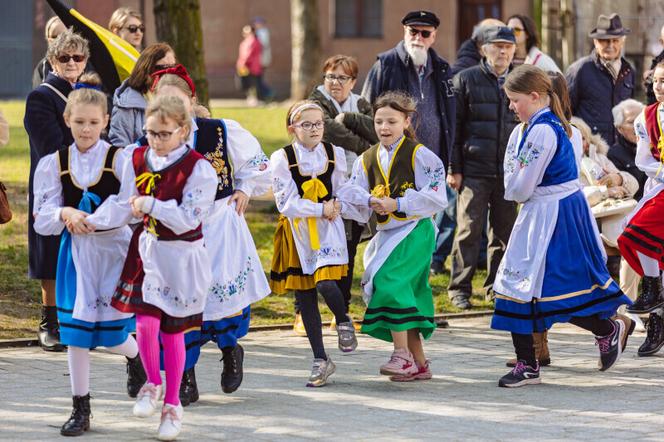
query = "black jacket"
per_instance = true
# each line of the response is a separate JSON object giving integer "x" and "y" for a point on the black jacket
{"x": 593, "y": 93}
{"x": 622, "y": 156}
{"x": 467, "y": 56}
{"x": 484, "y": 123}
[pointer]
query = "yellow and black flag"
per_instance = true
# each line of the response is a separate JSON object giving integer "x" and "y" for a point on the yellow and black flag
{"x": 112, "y": 57}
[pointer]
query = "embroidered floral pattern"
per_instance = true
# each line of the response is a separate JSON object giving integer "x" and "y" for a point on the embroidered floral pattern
{"x": 405, "y": 186}
{"x": 189, "y": 203}
{"x": 235, "y": 286}
{"x": 516, "y": 276}
{"x": 101, "y": 302}
{"x": 168, "y": 296}
{"x": 436, "y": 176}
{"x": 216, "y": 158}
{"x": 325, "y": 253}
{"x": 260, "y": 161}
{"x": 528, "y": 154}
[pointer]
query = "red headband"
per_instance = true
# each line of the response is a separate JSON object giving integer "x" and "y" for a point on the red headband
{"x": 178, "y": 70}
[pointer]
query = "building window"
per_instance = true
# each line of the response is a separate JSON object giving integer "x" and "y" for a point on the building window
{"x": 358, "y": 18}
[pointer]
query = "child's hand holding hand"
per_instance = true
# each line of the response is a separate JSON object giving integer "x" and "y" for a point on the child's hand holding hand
{"x": 331, "y": 209}
{"x": 75, "y": 222}
{"x": 140, "y": 205}
{"x": 383, "y": 206}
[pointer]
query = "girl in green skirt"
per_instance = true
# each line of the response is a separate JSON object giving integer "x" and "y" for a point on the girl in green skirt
{"x": 403, "y": 182}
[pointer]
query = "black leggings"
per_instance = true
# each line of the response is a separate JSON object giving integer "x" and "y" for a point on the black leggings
{"x": 308, "y": 302}
{"x": 525, "y": 348}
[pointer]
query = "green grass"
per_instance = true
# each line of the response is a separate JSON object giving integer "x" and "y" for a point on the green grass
{"x": 20, "y": 297}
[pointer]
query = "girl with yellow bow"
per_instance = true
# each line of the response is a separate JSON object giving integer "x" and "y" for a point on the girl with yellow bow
{"x": 310, "y": 253}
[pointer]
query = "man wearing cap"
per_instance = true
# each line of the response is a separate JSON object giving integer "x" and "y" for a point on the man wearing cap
{"x": 414, "y": 67}
{"x": 484, "y": 124}
{"x": 602, "y": 79}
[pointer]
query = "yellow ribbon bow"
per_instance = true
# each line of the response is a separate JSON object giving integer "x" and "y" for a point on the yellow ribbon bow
{"x": 313, "y": 190}
{"x": 150, "y": 178}
{"x": 380, "y": 191}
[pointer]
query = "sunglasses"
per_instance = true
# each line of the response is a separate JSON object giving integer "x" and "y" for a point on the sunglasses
{"x": 64, "y": 59}
{"x": 134, "y": 29}
{"x": 517, "y": 31}
{"x": 414, "y": 32}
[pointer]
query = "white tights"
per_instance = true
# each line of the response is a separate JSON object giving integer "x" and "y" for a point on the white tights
{"x": 79, "y": 364}
{"x": 650, "y": 265}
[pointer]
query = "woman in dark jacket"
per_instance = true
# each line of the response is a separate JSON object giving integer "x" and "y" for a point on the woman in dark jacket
{"x": 349, "y": 124}
{"x": 47, "y": 133}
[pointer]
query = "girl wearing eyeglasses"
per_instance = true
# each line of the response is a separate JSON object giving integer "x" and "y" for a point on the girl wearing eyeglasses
{"x": 527, "y": 42}
{"x": 128, "y": 25}
{"x": 310, "y": 253}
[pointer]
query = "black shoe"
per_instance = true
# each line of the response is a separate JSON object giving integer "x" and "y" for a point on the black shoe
{"x": 651, "y": 297}
{"x": 136, "y": 376}
{"x": 188, "y": 387}
{"x": 79, "y": 421}
{"x": 610, "y": 346}
{"x": 49, "y": 330}
{"x": 231, "y": 376}
{"x": 442, "y": 323}
{"x": 438, "y": 268}
{"x": 522, "y": 374}
{"x": 655, "y": 337}
{"x": 462, "y": 302}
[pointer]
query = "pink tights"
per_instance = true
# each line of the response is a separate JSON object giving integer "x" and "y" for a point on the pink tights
{"x": 147, "y": 336}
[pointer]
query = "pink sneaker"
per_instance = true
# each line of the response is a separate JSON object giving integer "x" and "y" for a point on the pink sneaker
{"x": 423, "y": 374}
{"x": 401, "y": 363}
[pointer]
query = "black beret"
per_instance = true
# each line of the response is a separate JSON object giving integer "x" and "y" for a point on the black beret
{"x": 421, "y": 18}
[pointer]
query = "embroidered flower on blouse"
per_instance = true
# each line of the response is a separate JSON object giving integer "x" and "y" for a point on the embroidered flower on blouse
{"x": 235, "y": 286}
{"x": 435, "y": 176}
{"x": 190, "y": 203}
{"x": 261, "y": 161}
{"x": 528, "y": 154}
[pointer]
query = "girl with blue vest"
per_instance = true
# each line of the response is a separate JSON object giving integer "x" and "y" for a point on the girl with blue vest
{"x": 403, "y": 182}
{"x": 554, "y": 268}
{"x": 69, "y": 185}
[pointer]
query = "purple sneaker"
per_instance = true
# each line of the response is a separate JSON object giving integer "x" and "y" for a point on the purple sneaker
{"x": 610, "y": 346}
{"x": 521, "y": 375}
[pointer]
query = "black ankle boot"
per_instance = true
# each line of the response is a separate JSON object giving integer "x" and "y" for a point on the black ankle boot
{"x": 651, "y": 297}
{"x": 79, "y": 422}
{"x": 231, "y": 376}
{"x": 655, "y": 338}
{"x": 49, "y": 330}
{"x": 136, "y": 376}
{"x": 188, "y": 387}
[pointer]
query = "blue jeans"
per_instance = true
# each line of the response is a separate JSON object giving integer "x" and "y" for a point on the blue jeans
{"x": 446, "y": 222}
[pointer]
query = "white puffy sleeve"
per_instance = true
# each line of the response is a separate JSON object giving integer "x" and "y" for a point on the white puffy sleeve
{"x": 197, "y": 198}
{"x": 354, "y": 194}
{"x": 524, "y": 170}
{"x": 288, "y": 200}
{"x": 251, "y": 171}
{"x": 115, "y": 211}
{"x": 429, "y": 196}
{"x": 48, "y": 198}
{"x": 644, "y": 159}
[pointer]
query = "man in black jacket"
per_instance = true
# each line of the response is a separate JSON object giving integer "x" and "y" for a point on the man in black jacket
{"x": 469, "y": 54}
{"x": 476, "y": 164}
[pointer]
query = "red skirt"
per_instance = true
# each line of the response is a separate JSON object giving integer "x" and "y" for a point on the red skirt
{"x": 128, "y": 297}
{"x": 645, "y": 234}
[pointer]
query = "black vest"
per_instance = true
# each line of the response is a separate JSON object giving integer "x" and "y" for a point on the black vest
{"x": 107, "y": 183}
{"x": 325, "y": 177}
{"x": 210, "y": 141}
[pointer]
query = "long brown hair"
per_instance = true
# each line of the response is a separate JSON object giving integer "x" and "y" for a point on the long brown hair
{"x": 560, "y": 89}
{"x": 401, "y": 102}
{"x": 145, "y": 65}
{"x": 526, "y": 79}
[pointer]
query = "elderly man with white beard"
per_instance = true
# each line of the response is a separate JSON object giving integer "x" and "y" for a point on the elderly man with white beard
{"x": 414, "y": 67}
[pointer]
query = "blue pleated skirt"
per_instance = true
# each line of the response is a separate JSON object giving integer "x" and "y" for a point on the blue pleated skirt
{"x": 576, "y": 280}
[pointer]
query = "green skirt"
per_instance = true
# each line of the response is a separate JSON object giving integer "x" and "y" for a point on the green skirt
{"x": 402, "y": 298}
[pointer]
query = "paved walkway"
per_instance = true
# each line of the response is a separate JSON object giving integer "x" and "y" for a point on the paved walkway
{"x": 462, "y": 402}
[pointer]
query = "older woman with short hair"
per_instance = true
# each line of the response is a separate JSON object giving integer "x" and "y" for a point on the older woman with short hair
{"x": 47, "y": 133}
{"x": 127, "y": 24}
{"x": 129, "y": 100}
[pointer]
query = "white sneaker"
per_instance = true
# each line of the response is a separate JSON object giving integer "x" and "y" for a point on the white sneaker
{"x": 171, "y": 422}
{"x": 146, "y": 400}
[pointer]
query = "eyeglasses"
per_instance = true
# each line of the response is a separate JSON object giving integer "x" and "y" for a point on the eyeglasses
{"x": 342, "y": 79}
{"x": 64, "y": 59}
{"x": 134, "y": 29}
{"x": 308, "y": 125}
{"x": 161, "y": 67}
{"x": 517, "y": 31}
{"x": 161, "y": 136}
{"x": 414, "y": 32}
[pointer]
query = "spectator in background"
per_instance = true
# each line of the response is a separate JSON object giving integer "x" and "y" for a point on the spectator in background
{"x": 248, "y": 64}
{"x": 129, "y": 101}
{"x": 263, "y": 35}
{"x": 602, "y": 79}
{"x": 647, "y": 75}
{"x": 484, "y": 123}
{"x": 527, "y": 42}
{"x": 622, "y": 153}
{"x": 53, "y": 28}
{"x": 469, "y": 54}
{"x": 47, "y": 132}
{"x": 128, "y": 25}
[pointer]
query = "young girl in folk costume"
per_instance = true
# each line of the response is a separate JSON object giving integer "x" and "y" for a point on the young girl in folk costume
{"x": 641, "y": 242}
{"x": 69, "y": 185}
{"x": 238, "y": 279}
{"x": 554, "y": 268}
{"x": 166, "y": 276}
{"x": 404, "y": 183}
{"x": 310, "y": 253}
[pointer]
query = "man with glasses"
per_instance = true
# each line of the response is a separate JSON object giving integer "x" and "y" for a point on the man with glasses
{"x": 602, "y": 79}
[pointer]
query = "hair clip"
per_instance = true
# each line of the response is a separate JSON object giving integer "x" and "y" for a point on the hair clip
{"x": 87, "y": 86}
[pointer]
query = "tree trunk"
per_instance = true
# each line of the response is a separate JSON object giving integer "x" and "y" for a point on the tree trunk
{"x": 306, "y": 47}
{"x": 178, "y": 23}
